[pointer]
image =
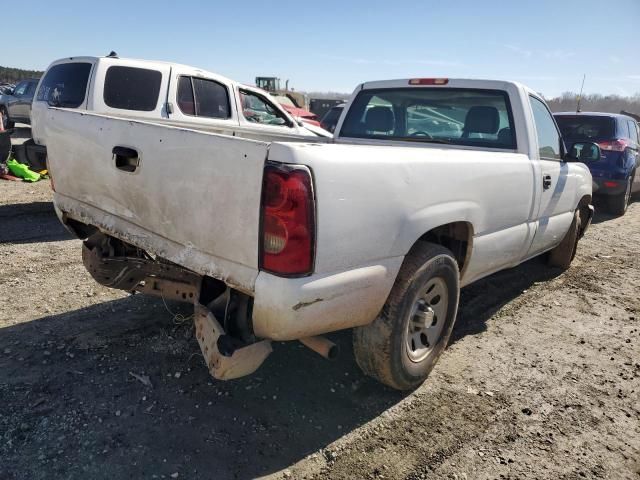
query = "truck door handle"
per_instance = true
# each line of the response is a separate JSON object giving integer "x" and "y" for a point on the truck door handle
{"x": 126, "y": 158}
{"x": 546, "y": 182}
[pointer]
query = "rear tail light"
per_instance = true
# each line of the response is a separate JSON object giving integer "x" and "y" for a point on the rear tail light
{"x": 287, "y": 237}
{"x": 428, "y": 81}
{"x": 614, "y": 146}
{"x": 610, "y": 184}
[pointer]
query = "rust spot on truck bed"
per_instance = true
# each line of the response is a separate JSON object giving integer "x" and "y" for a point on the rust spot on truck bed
{"x": 300, "y": 305}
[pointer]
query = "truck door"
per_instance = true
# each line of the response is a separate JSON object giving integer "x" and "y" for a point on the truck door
{"x": 555, "y": 187}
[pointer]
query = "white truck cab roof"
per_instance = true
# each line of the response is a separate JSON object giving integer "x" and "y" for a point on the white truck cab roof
{"x": 442, "y": 82}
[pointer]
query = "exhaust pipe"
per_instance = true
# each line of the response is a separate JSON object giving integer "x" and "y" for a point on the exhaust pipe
{"x": 322, "y": 346}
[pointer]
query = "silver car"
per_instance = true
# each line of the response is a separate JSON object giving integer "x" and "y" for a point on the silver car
{"x": 16, "y": 107}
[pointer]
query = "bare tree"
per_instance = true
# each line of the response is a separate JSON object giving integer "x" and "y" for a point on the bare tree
{"x": 568, "y": 102}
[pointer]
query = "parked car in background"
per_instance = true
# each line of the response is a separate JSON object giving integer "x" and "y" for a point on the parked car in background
{"x": 297, "y": 112}
{"x": 320, "y": 106}
{"x": 16, "y": 107}
{"x": 6, "y": 88}
{"x": 616, "y": 172}
{"x": 330, "y": 119}
{"x": 296, "y": 103}
{"x": 375, "y": 229}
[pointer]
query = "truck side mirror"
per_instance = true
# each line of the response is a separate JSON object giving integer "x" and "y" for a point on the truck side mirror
{"x": 583, "y": 152}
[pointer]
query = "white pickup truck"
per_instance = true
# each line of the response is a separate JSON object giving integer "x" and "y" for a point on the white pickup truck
{"x": 428, "y": 185}
{"x": 162, "y": 92}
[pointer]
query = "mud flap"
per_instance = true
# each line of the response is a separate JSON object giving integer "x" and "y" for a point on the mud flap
{"x": 243, "y": 361}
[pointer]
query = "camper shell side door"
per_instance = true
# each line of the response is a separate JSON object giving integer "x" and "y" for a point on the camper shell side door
{"x": 130, "y": 88}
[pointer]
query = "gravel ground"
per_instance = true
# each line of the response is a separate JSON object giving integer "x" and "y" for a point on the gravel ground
{"x": 541, "y": 380}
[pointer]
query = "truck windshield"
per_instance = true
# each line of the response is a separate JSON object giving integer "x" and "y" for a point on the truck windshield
{"x": 65, "y": 85}
{"x": 437, "y": 115}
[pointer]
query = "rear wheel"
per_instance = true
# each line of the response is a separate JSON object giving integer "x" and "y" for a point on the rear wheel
{"x": 618, "y": 203}
{"x": 402, "y": 345}
{"x": 6, "y": 123}
{"x": 562, "y": 255}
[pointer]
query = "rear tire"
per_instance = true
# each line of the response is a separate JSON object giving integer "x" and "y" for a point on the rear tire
{"x": 618, "y": 203}
{"x": 562, "y": 255}
{"x": 402, "y": 345}
{"x": 6, "y": 123}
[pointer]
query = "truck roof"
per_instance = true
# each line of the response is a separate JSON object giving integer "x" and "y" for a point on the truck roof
{"x": 448, "y": 83}
{"x": 90, "y": 58}
{"x": 148, "y": 63}
{"x": 595, "y": 114}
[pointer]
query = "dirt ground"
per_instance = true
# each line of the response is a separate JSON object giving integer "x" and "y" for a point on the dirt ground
{"x": 541, "y": 380}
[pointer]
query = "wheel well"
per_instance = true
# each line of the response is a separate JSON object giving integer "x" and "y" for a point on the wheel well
{"x": 584, "y": 201}
{"x": 456, "y": 236}
{"x": 583, "y": 212}
{"x": 583, "y": 207}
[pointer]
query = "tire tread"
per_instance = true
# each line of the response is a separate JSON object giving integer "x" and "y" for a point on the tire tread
{"x": 372, "y": 343}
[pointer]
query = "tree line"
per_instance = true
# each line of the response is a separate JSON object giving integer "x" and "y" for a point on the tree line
{"x": 14, "y": 75}
{"x": 568, "y": 102}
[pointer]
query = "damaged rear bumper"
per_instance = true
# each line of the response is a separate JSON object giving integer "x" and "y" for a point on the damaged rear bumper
{"x": 294, "y": 308}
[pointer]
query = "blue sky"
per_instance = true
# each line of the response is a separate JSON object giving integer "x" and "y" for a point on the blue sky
{"x": 334, "y": 45}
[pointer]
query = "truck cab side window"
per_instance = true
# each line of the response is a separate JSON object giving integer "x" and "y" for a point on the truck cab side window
{"x": 202, "y": 98}
{"x": 212, "y": 99}
{"x": 255, "y": 109}
{"x": 185, "y": 101}
{"x": 548, "y": 136}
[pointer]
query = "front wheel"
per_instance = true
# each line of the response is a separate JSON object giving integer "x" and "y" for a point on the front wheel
{"x": 618, "y": 203}
{"x": 402, "y": 345}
